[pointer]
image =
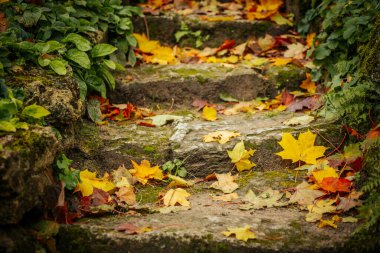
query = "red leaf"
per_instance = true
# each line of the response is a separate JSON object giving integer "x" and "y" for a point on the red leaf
{"x": 227, "y": 44}
{"x": 374, "y": 133}
{"x": 287, "y": 98}
{"x": 333, "y": 184}
{"x": 146, "y": 124}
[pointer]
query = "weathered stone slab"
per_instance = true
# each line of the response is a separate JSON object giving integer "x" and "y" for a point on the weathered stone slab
{"x": 25, "y": 172}
{"x": 185, "y": 82}
{"x": 164, "y": 27}
{"x": 200, "y": 230}
{"x": 259, "y": 131}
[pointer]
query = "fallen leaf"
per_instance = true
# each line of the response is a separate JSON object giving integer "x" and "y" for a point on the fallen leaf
{"x": 268, "y": 198}
{"x": 220, "y": 136}
{"x": 127, "y": 194}
{"x": 327, "y": 171}
{"x": 349, "y": 202}
{"x": 121, "y": 177}
{"x": 242, "y": 234}
{"x": 143, "y": 172}
{"x": 179, "y": 195}
{"x": 130, "y": 229}
{"x": 226, "y": 197}
{"x": 89, "y": 181}
{"x": 299, "y": 120}
{"x": 310, "y": 39}
{"x": 145, "y": 45}
{"x": 227, "y": 98}
{"x": 329, "y": 223}
{"x": 225, "y": 183}
{"x": 246, "y": 107}
{"x": 305, "y": 195}
{"x": 302, "y": 149}
{"x": 227, "y": 44}
{"x": 280, "y": 61}
{"x": 281, "y": 20}
{"x": 332, "y": 184}
{"x": 161, "y": 120}
{"x": 295, "y": 51}
{"x": 240, "y": 157}
{"x": 209, "y": 113}
{"x": 266, "y": 43}
{"x": 179, "y": 182}
{"x": 350, "y": 219}
{"x": 308, "y": 85}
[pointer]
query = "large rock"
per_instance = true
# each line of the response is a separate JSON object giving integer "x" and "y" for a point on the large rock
{"x": 58, "y": 94}
{"x": 25, "y": 172}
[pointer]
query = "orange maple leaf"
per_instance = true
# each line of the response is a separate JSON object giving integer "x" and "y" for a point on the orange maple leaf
{"x": 308, "y": 85}
{"x": 144, "y": 171}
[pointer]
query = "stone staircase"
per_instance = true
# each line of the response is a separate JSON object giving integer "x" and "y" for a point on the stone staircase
{"x": 199, "y": 229}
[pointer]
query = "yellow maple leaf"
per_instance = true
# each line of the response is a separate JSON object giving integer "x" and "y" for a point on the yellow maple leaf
{"x": 328, "y": 171}
{"x": 143, "y": 172}
{"x": 179, "y": 195}
{"x": 302, "y": 149}
{"x": 330, "y": 223}
{"x": 308, "y": 85}
{"x": 220, "y": 136}
{"x": 225, "y": 183}
{"x": 89, "y": 181}
{"x": 240, "y": 157}
{"x": 163, "y": 55}
{"x": 209, "y": 113}
{"x": 145, "y": 45}
{"x": 226, "y": 197}
{"x": 178, "y": 181}
{"x": 280, "y": 61}
{"x": 242, "y": 234}
{"x": 265, "y": 9}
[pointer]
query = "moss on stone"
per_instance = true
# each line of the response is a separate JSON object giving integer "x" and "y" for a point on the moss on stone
{"x": 370, "y": 61}
{"x": 148, "y": 193}
{"x": 287, "y": 76}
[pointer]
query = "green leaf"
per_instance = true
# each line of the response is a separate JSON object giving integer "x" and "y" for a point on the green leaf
{"x": 131, "y": 57}
{"x": 100, "y": 50}
{"x": 63, "y": 162}
{"x": 43, "y": 62}
{"x": 131, "y": 40}
{"x": 35, "y": 111}
{"x": 8, "y": 108}
{"x": 107, "y": 76}
{"x": 227, "y": 97}
{"x": 178, "y": 35}
{"x": 7, "y": 126}
{"x": 58, "y": 66}
{"x": 110, "y": 64}
{"x": 54, "y": 45}
{"x": 79, "y": 57}
{"x": 93, "y": 110}
{"x": 81, "y": 43}
{"x": 321, "y": 52}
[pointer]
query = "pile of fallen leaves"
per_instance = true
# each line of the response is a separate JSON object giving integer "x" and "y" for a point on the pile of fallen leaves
{"x": 256, "y": 52}
{"x": 213, "y": 10}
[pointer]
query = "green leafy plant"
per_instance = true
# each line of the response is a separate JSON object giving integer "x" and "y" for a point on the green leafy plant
{"x": 186, "y": 33}
{"x": 175, "y": 168}
{"x": 69, "y": 176}
{"x": 64, "y": 35}
{"x": 13, "y": 115}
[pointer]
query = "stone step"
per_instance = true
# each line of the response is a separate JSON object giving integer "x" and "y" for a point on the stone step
{"x": 181, "y": 84}
{"x": 104, "y": 148}
{"x": 164, "y": 27}
{"x": 280, "y": 229}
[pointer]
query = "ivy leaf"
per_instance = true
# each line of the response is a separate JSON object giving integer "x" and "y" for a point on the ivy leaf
{"x": 243, "y": 234}
{"x": 321, "y": 52}
{"x": 302, "y": 149}
{"x": 102, "y": 49}
{"x": 35, "y": 111}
